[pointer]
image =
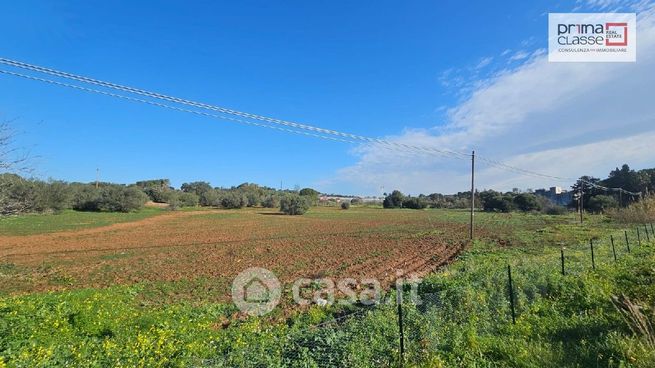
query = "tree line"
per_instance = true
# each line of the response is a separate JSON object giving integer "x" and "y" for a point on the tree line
{"x": 595, "y": 199}
{"x": 20, "y": 195}
{"x": 23, "y": 195}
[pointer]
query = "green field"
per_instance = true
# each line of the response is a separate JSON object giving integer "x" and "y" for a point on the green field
{"x": 68, "y": 220}
{"x": 562, "y": 320}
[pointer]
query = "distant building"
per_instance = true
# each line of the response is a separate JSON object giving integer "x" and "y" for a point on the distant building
{"x": 557, "y": 195}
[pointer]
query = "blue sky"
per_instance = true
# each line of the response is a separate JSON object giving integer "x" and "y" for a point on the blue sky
{"x": 407, "y": 71}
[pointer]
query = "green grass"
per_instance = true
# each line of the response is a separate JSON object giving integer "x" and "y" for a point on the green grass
{"x": 68, "y": 220}
{"x": 562, "y": 320}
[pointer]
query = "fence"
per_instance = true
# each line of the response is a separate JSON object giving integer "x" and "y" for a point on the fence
{"x": 394, "y": 335}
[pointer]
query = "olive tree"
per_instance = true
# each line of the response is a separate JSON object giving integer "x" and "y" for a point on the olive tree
{"x": 294, "y": 204}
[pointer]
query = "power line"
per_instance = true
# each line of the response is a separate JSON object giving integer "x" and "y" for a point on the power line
{"x": 280, "y": 125}
{"x": 220, "y": 117}
{"x": 133, "y": 99}
{"x": 57, "y": 73}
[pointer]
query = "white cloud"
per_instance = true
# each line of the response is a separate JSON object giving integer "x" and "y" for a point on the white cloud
{"x": 484, "y": 62}
{"x": 562, "y": 119}
{"x": 519, "y": 55}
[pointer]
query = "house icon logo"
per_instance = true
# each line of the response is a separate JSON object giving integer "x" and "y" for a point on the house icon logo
{"x": 256, "y": 291}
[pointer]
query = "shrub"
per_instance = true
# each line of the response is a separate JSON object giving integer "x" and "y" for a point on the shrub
{"x": 414, "y": 203}
{"x": 233, "y": 199}
{"x": 110, "y": 198}
{"x": 271, "y": 201}
{"x": 178, "y": 199}
{"x": 253, "y": 198}
{"x": 159, "y": 195}
{"x": 496, "y": 202}
{"x": 86, "y": 198}
{"x": 294, "y": 204}
{"x": 527, "y": 202}
{"x": 174, "y": 202}
{"x": 16, "y": 195}
{"x": 155, "y": 183}
{"x": 601, "y": 203}
{"x": 311, "y": 195}
{"x": 210, "y": 197}
{"x": 188, "y": 199}
{"x": 356, "y": 201}
{"x": 393, "y": 200}
{"x": 345, "y": 205}
{"x": 197, "y": 187}
{"x": 56, "y": 195}
{"x": 117, "y": 198}
{"x": 554, "y": 209}
{"x": 639, "y": 212}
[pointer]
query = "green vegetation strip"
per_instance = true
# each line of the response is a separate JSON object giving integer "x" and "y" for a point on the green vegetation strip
{"x": 68, "y": 220}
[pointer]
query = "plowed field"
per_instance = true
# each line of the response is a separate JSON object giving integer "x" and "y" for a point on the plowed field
{"x": 218, "y": 244}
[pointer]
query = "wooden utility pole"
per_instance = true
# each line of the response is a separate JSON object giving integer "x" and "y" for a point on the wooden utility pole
{"x": 581, "y": 200}
{"x": 472, "y": 193}
{"x": 97, "y": 177}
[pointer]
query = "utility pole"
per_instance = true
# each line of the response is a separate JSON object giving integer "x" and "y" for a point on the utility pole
{"x": 581, "y": 200}
{"x": 97, "y": 177}
{"x": 472, "y": 193}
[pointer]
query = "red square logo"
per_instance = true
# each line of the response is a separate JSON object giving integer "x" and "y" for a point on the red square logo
{"x": 611, "y": 33}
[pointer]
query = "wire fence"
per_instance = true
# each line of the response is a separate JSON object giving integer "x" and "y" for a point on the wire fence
{"x": 395, "y": 335}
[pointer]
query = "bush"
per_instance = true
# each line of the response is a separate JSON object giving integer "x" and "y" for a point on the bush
{"x": 86, "y": 198}
{"x": 178, "y": 199}
{"x": 271, "y": 201}
{"x": 496, "y": 202}
{"x": 639, "y": 212}
{"x": 159, "y": 195}
{"x": 356, "y": 201}
{"x": 414, "y": 203}
{"x": 393, "y": 200}
{"x": 601, "y": 203}
{"x": 527, "y": 202}
{"x": 210, "y": 198}
{"x": 197, "y": 187}
{"x": 56, "y": 196}
{"x": 234, "y": 199}
{"x": 311, "y": 195}
{"x": 110, "y": 198}
{"x": 253, "y": 199}
{"x": 116, "y": 198}
{"x": 188, "y": 199}
{"x": 345, "y": 205}
{"x": 554, "y": 209}
{"x": 16, "y": 195}
{"x": 294, "y": 204}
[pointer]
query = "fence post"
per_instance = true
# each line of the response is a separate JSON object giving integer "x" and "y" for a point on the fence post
{"x": 593, "y": 260}
{"x": 562, "y": 252}
{"x": 647, "y": 236}
{"x": 399, "y": 299}
{"x": 627, "y": 242}
{"x": 638, "y": 239}
{"x": 511, "y": 293}
{"x": 613, "y": 249}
